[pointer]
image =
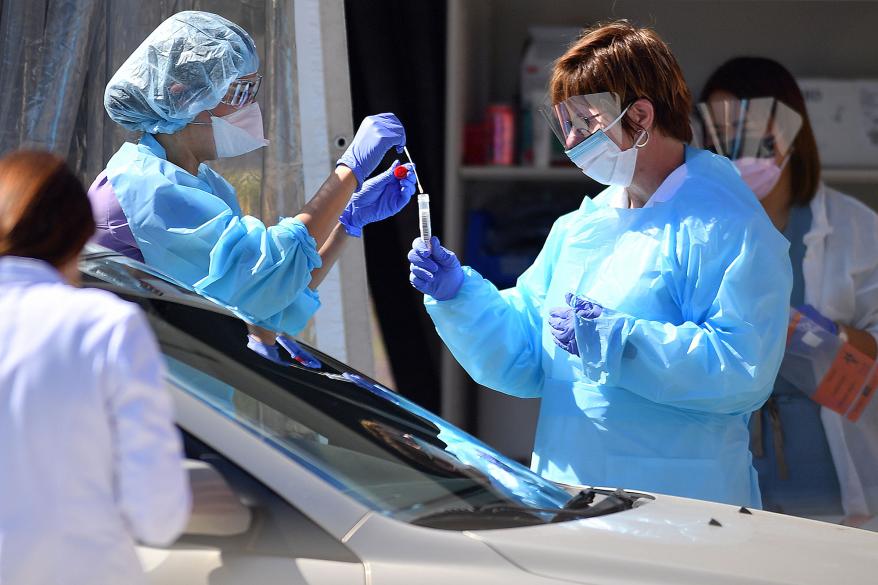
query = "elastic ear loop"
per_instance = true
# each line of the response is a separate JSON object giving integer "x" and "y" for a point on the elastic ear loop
{"x": 644, "y": 133}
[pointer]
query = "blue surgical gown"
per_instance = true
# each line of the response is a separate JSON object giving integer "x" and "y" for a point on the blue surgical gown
{"x": 192, "y": 229}
{"x": 696, "y": 289}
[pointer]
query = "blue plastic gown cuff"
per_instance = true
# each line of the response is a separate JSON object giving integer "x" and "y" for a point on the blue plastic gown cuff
{"x": 309, "y": 244}
{"x": 472, "y": 287}
{"x": 601, "y": 344}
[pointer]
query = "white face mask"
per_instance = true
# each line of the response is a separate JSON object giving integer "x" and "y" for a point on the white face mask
{"x": 760, "y": 174}
{"x": 239, "y": 132}
{"x": 602, "y": 160}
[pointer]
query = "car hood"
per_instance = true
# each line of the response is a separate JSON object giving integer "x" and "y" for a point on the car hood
{"x": 672, "y": 540}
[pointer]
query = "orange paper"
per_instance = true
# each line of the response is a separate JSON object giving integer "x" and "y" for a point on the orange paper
{"x": 864, "y": 398}
{"x": 845, "y": 380}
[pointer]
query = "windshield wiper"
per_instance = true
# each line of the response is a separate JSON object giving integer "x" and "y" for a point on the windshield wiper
{"x": 490, "y": 516}
{"x": 609, "y": 505}
{"x": 616, "y": 500}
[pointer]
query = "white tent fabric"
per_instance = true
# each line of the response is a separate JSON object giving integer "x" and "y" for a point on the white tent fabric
{"x": 56, "y": 57}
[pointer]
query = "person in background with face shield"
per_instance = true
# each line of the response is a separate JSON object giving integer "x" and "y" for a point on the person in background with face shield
{"x": 823, "y": 464}
{"x": 653, "y": 321}
{"x": 190, "y": 89}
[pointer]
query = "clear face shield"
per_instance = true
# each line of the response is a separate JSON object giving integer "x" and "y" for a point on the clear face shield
{"x": 580, "y": 116}
{"x": 756, "y": 128}
{"x": 242, "y": 91}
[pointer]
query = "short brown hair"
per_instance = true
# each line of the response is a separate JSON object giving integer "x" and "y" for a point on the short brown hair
{"x": 753, "y": 77}
{"x": 44, "y": 210}
{"x": 633, "y": 62}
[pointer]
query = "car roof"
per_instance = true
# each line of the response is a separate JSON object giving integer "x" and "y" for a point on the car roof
{"x": 110, "y": 270}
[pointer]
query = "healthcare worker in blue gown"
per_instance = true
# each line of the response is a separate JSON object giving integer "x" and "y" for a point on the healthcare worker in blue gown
{"x": 189, "y": 88}
{"x": 653, "y": 321}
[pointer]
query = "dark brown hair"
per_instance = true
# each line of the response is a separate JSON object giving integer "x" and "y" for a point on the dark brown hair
{"x": 44, "y": 210}
{"x": 633, "y": 62}
{"x": 753, "y": 77}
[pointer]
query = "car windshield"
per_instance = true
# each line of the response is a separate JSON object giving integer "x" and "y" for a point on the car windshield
{"x": 368, "y": 441}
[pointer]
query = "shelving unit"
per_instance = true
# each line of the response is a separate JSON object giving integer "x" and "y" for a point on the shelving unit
{"x": 499, "y": 173}
{"x": 868, "y": 176}
{"x": 484, "y": 47}
{"x": 561, "y": 174}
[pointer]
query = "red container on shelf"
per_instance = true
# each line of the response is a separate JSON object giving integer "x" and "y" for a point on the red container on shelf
{"x": 475, "y": 150}
{"x": 500, "y": 122}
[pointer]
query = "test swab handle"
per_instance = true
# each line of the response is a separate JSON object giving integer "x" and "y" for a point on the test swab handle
{"x": 417, "y": 179}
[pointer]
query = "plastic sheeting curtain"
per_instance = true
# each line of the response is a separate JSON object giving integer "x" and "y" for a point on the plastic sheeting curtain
{"x": 56, "y": 57}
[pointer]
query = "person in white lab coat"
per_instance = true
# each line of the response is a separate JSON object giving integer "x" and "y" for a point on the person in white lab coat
{"x": 825, "y": 464}
{"x": 90, "y": 461}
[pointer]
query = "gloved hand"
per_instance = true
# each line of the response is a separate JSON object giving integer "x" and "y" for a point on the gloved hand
{"x": 585, "y": 309}
{"x": 436, "y": 273}
{"x": 375, "y": 136}
{"x": 380, "y": 197}
{"x": 269, "y": 352}
{"x": 298, "y": 353}
{"x": 561, "y": 320}
{"x": 819, "y": 318}
{"x": 561, "y": 323}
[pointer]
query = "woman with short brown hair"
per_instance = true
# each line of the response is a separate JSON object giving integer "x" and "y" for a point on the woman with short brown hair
{"x": 89, "y": 455}
{"x": 648, "y": 326}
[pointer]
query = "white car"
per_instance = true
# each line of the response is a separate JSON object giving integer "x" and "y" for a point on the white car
{"x": 314, "y": 474}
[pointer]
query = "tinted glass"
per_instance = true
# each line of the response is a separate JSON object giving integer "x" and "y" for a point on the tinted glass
{"x": 366, "y": 440}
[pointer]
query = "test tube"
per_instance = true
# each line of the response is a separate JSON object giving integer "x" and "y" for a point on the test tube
{"x": 423, "y": 208}
{"x": 424, "y": 217}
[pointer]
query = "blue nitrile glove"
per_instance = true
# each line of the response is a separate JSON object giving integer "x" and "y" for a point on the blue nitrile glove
{"x": 585, "y": 309}
{"x": 269, "y": 352}
{"x": 436, "y": 273}
{"x": 375, "y": 136}
{"x": 298, "y": 353}
{"x": 819, "y": 318}
{"x": 561, "y": 320}
{"x": 563, "y": 332}
{"x": 380, "y": 197}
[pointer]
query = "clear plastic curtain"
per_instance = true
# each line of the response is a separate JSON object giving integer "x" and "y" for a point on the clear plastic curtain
{"x": 56, "y": 57}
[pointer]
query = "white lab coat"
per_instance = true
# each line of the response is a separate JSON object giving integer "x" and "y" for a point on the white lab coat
{"x": 841, "y": 280}
{"x": 90, "y": 460}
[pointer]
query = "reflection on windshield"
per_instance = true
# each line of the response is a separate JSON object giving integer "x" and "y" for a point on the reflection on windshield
{"x": 367, "y": 441}
{"x": 468, "y": 453}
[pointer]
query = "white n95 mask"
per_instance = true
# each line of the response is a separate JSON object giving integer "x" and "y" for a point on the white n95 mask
{"x": 239, "y": 132}
{"x": 760, "y": 174}
{"x": 602, "y": 160}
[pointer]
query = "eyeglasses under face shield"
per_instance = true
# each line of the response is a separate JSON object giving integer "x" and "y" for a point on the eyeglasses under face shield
{"x": 578, "y": 117}
{"x": 242, "y": 91}
{"x": 739, "y": 128}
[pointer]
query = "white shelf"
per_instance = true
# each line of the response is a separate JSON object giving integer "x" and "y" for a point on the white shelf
{"x": 850, "y": 175}
{"x": 524, "y": 173}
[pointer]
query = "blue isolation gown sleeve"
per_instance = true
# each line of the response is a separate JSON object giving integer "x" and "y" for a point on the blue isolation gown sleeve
{"x": 192, "y": 229}
{"x": 496, "y": 335}
{"x": 724, "y": 357}
{"x": 264, "y": 272}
